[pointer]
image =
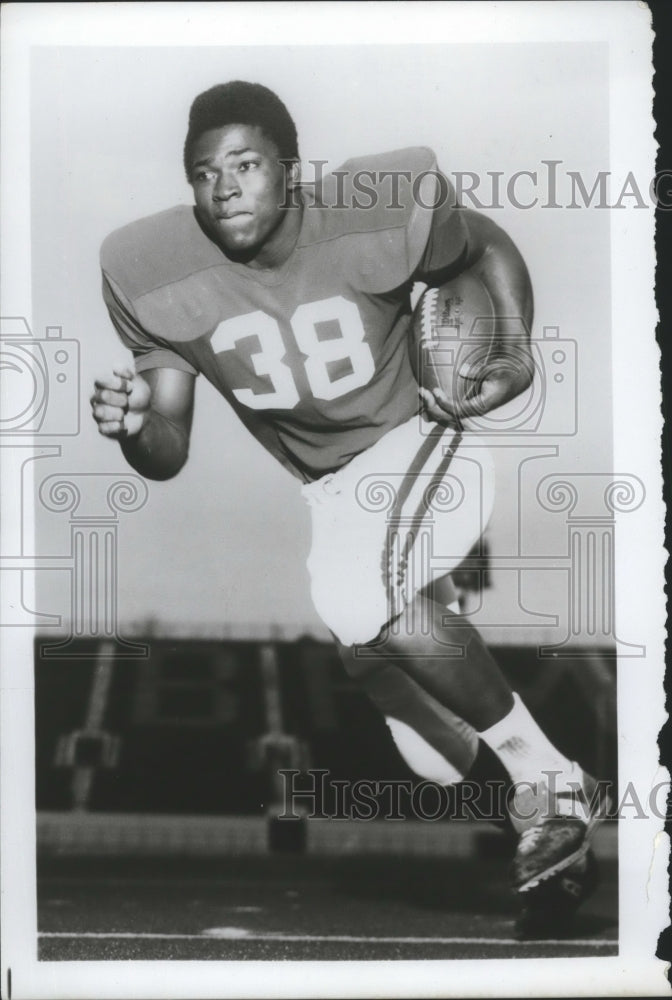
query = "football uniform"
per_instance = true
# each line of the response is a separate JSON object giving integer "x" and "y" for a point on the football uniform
{"x": 313, "y": 356}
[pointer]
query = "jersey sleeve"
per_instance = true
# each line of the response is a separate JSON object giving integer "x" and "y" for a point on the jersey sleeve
{"x": 398, "y": 219}
{"x": 447, "y": 242}
{"x": 149, "y": 351}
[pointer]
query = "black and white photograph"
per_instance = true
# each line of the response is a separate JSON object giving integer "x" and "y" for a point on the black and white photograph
{"x": 332, "y": 552}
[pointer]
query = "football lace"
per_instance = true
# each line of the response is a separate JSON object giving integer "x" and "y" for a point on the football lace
{"x": 428, "y": 312}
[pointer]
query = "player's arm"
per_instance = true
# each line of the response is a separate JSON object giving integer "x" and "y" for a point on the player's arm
{"x": 149, "y": 414}
{"x": 493, "y": 256}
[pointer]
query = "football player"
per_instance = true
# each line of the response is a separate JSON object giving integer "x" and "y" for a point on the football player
{"x": 294, "y": 301}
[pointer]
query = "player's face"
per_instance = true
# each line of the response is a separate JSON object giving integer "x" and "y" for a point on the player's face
{"x": 240, "y": 189}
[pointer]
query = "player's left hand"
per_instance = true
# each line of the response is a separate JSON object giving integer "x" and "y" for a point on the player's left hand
{"x": 480, "y": 396}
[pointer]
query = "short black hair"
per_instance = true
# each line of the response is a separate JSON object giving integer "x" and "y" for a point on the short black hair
{"x": 241, "y": 103}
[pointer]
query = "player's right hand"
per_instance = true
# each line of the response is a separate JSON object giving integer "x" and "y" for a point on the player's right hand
{"x": 120, "y": 403}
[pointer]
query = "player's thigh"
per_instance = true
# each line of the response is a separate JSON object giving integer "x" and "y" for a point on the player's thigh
{"x": 346, "y": 569}
{"x": 403, "y": 513}
{"x": 456, "y": 509}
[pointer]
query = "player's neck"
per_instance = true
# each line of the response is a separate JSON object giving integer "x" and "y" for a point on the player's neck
{"x": 279, "y": 247}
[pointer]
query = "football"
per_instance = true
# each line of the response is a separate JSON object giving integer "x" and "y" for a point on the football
{"x": 451, "y": 337}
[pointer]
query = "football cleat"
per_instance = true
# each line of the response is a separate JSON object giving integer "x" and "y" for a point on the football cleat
{"x": 560, "y": 837}
{"x": 549, "y": 909}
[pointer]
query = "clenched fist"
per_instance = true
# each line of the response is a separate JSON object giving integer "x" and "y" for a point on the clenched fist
{"x": 120, "y": 403}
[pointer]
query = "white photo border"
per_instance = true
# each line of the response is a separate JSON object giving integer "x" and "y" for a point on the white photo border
{"x": 625, "y": 26}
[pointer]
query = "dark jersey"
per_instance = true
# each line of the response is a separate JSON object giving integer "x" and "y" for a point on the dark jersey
{"x": 313, "y": 355}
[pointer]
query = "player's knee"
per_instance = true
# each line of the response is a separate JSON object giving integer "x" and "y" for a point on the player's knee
{"x": 427, "y": 762}
{"x": 354, "y": 622}
{"x": 359, "y": 666}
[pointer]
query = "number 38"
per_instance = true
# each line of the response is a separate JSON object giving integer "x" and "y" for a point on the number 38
{"x": 318, "y": 353}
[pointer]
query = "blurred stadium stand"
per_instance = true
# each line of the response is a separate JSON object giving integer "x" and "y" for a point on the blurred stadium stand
{"x": 199, "y": 728}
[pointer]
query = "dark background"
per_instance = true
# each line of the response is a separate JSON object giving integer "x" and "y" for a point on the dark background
{"x": 188, "y": 721}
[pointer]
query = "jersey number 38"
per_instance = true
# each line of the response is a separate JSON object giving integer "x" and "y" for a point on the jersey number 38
{"x": 318, "y": 354}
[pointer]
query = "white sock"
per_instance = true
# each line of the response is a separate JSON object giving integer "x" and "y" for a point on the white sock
{"x": 526, "y": 753}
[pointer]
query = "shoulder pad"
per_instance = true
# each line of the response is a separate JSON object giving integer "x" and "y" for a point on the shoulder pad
{"x": 382, "y": 207}
{"x": 156, "y": 251}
